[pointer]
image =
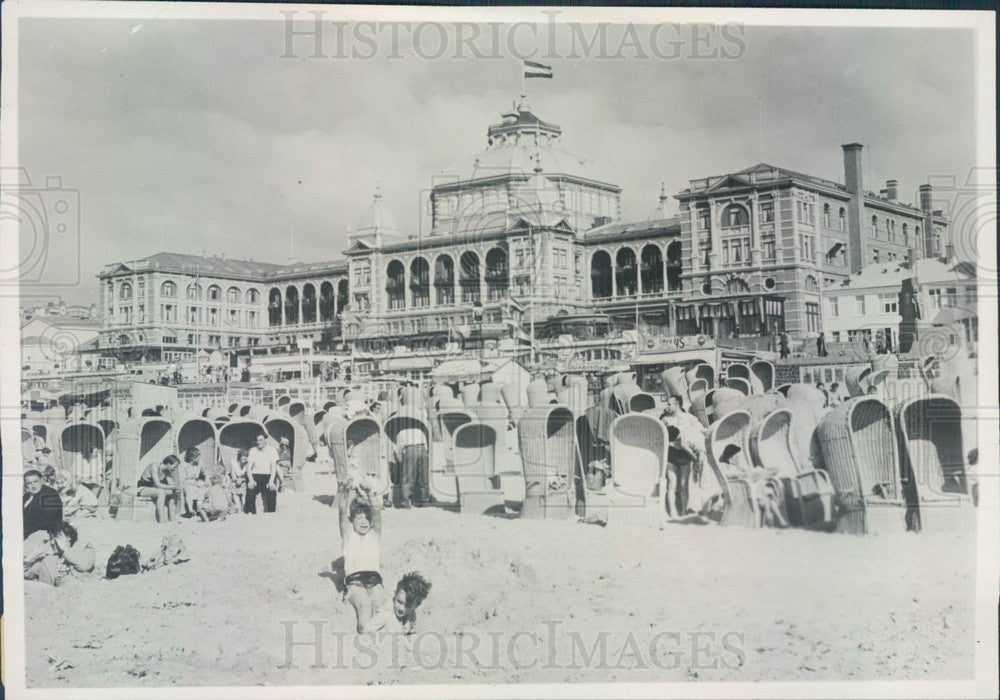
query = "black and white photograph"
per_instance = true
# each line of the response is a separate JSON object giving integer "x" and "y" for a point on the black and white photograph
{"x": 372, "y": 351}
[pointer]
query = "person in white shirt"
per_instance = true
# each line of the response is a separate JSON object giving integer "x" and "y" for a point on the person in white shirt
{"x": 262, "y": 466}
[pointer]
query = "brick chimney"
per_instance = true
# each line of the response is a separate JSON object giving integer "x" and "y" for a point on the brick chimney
{"x": 855, "y": 185}
{"x": 891, "y": 188}
{"x": 925, "y": 207}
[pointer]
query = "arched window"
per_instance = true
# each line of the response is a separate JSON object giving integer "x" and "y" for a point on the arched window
{"x": 420, "y": 282}
{"x": 444, "y": 279}
{"x": 125, "y": 292}
{"x": 625, "y": 272}
{"x": 497, "y": 274}
{"x": 652, "y": 269}
{"x": 811, "y": 284}
{"x": 291, "y": 305}
{"x": 274, "y": 307}
{"x": 674, "y": 267}
{"x": 906, "y": 234}
{"x": 343, "y": 289}
{"x": 326, "y": 311}
{"x": 395, "y": 284}
{"x": 168, "y": 289}
{"x": 193, "y": 291}
{"x": 842, "y": 219}
{"x": 253, "y": 296}
{"x": 468, "y": 276}
{"x": 233, "y": 295}
{"x": 600, "y": 275}
{"x": 308, "y": 304}
{"x": 826, "y": 215}
{"x": 736, "y": 285}
{"x": 214, "y": 293}
{"x": 874, "y": 225}
{"x": 735, "y": 215}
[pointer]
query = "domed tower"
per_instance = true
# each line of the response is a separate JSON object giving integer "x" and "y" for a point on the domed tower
{"x": 376, "y": 226}
{"x": 523, "y": 173}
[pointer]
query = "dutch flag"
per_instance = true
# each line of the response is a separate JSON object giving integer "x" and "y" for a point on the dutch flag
{"x": 536, "y": 70}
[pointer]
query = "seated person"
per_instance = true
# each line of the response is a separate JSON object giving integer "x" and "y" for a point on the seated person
{"x": 194, "y": 480}
{"x": 284, "y": 462}
{"x": 214, "y": 502}
{"x": 734, "y": 466}
{"x": 239, "y": 475}
{"x": 52, "y": 555}
{"x": 41, "y": 506}
{"x": 79, "y": 501}
{"x": 161, "y": 484}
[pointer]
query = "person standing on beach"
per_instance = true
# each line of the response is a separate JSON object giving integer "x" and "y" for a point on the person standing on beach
{"x": 411, "y": 456}
{"x": 690, "y": 437}
{"x": 262, "y": 465}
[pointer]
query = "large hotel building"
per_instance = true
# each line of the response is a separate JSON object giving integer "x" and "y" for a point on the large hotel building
{"x": 526, "y": 241}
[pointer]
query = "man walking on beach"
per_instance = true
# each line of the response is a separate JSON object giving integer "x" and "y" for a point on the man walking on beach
{"x": 411, "y": 456}
{"x": 262, "y": 465}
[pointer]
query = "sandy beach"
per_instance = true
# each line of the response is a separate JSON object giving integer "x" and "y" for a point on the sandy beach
{"x": 527, "y": 601}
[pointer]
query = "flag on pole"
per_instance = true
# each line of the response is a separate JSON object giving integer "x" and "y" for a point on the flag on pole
{"x": 536, "y": 70}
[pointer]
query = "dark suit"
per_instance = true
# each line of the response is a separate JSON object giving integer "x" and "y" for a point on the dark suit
{"x": 41, "y": 510}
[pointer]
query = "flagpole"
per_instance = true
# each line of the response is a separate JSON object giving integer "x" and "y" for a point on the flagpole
{"x": 523, "y": 89}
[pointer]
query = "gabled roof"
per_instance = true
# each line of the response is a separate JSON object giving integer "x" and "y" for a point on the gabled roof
{"x": 228, "y": 268}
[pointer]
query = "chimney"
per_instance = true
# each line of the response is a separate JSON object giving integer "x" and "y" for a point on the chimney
{"x": 891, "y": 187}
{"x": 925, "y": 207}
{"x": 855, "y": 185}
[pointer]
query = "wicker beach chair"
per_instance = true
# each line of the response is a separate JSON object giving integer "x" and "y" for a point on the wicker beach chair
{"x": 489, "y": 394}
{"x": 929, "y": 434}
{"x": 739, "y": 384}
{"x": 637, "y": 492}
{"x": 141, "y": 441}
{"x": 258, "y": 413}
{"x": 470, "y": 394}
{"x": 810, "y": 394}
{"x": 357, "y": 442}
{"x": 808, "y": 493}
{"x": 591, "y": 448}
{"x": 546, "y": 438}
{"x": 538, "y": 393}
{"x": 284, "y": 426}
{"x": 782, "y": 390}
{"x": 237, "y": 435}
{"x": 702, "y": 371}
{"x": 759, "y": 405}
{"x": 641, "y": 402}
{"x": 497, "y": 417}
{"x": 738, "y": 370}
{"x": 451, "y": 419}
{"x": 203, "y": 435}
{"x": 76, "y": 442}
{"x": 283, "y": 401}
{"x": 763, "y": 371}
{"x": 740, "y": 507}
{"x": 698, "y": 409}
{"x": 860, "y": 454}
{"x": 675, "y": 382}
{"x": 856, "y": 380}
{"x": 724, "y": 400}
{"x": 476, "y": 480}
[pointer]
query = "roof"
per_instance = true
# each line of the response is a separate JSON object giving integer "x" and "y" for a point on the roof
{"x": 885, "y": 274}
{"x": 229, "y": 268}
{"x": 637, "y": 229}
{"x": 937, "y": 271}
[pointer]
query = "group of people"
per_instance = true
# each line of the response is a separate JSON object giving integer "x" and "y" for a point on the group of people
{"x": 52, "y": 552}
{"x": 176, "y": 486}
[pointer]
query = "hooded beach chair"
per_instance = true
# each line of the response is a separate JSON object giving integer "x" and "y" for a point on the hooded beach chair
{"x": 860, "y": 454}
{"x": 702, "y": 371}
{"x": 637, "y": 490}
{"x": 546, "y": 438}
{"x": 738, "y": 384}
{"x": 82, "y": 446}
{"x": 201, "y": 434}
{"x": 357, "y": 442}
{"x": 675, "y": 382}
{"x": 932, "y": 458}
{"x": 141, "y": 441}
{"x": 856, "y": 380}
{"x": 724, "y": 400}
{"x": 763, "y": 371}
{"x": 451, "y": 419}
{"x": 731, "y": 432}
{"x": 641, "y": 402}
{"x": 592, "y": 446}
{"x": 476, "y": 480}
{"x": 738, "y": 370}
{"x": 280, "y": 426}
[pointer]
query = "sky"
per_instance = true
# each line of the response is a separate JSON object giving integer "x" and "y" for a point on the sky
{"x": 198, "y": 136}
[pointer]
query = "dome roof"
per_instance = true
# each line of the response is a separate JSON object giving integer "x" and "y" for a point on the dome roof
{"x": 376, "y": 219}
{"x": 519, "y": 144}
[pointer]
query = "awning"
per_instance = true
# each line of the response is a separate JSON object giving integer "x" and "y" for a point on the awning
{"x": 407, "y": 363}
{"x": 685, "y": 313}
{"x": 457, "y": 370}
{"x": 717, "y": 310}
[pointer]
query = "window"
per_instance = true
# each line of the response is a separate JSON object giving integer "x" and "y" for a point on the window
{"x": 214, "y": 293}
{"x": 253, "y": 296}
{"x": 889, "y": 302}
{"x": 233, "y": 317}
{"x": 362, "y": 274}
{"x": 971, "y": 296}
{"x": 233, "y": 295}
{"x": 735, "y": 215}
{"x": 842, "y": 219}
{"x": 125, "y": 292}
{"x": 213, "y": 340}
{"x": 126, "y": 314}
{"x": 833, "y": 306}
{"x": 193, "y": 291}
{"x": 875, "y": 255}
{"x": 169, "y": 312}
{"x": 252, "y": 319}
{"x": 192, "y": 339}
{"x": 935, "y": 296}
{"x": 826, "y": 215}
{"x": 891, "y": 228}
{"x": 141, "y": 313}
{"x": 859, "y": 305}
{"x": 807, "y": 212}
{"x": 906, "y": 235}
{"x": 812, "y": 317}
{"x": 704, "y": 219}
{"x": 192, "y": 314}
{"x": 951, "y": 297}
{"x": 767, "y": 211}
{"x": 835, "y": 337}
{"x": 874, "y": 226}
{"x": 213, "y": 317}
{"x": 767, "y": 246}
{"x": 168, "y": 289}
{"x": 806, "y": 246}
